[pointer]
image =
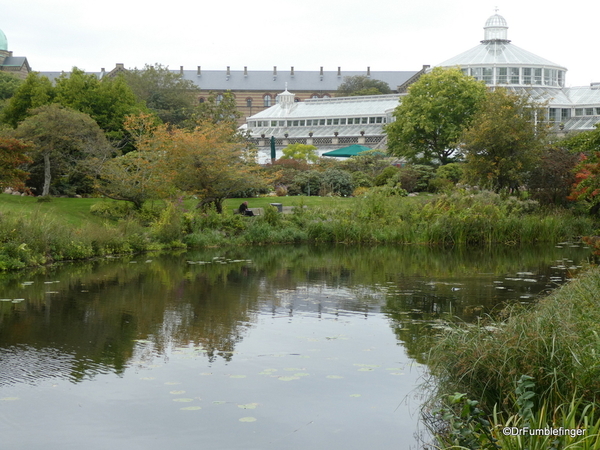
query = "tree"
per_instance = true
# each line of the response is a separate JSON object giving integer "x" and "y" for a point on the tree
{"x": 362, "y": 85}
{"x": 210, "y": 162}
{"x": 551, "y": 179}
{"x": 164, "y": 92}
{"x": 207, "y": 161}
{"x": 61, "y": 138}
{"x": 504, "y": 141}
{"x": 9, "y": 84}
{"x": 300, "y": 152}
{"x": 35, "y": 91}
{"x": 216, "y": 109}
{"x": 12, "y": 157}
{"x": 431, "y": 118}
{"x": 107, "y": 101}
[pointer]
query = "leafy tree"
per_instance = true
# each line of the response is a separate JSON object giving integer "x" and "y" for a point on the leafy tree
{"x": 9, "y": 84}
{"x": 107, "y": 101}
{"x": 35, "y": 91}
{"x": 217, "y": 109}
{"x": 504, "y": 141}
{"x": 362, "y": 85}
{"x": 12, "y": 157}
{"x": 300, "y": 152}
{"x": 61, "y": 138}
{"x": 164, "y": 92}
{"x": 551, "y": 179}
{"x": 210, "y": 162}
{"x": 587, "y": 172}
{"x": 431, "y": 118}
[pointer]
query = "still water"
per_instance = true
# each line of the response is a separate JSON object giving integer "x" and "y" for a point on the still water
{"x": 248, "y": 348}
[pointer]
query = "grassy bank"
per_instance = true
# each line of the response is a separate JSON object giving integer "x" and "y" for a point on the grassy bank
{"x": 34, "y": 233}
{"x": 539, "y": 367}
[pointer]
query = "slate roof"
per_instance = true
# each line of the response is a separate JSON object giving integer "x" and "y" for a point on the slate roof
{"x": 266, "y": 80}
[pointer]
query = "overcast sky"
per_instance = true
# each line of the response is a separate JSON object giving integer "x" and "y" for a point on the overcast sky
{"x": 56, "y": 35}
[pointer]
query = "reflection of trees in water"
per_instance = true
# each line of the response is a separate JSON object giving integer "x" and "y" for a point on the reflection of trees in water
{"x": 100, "y": 308}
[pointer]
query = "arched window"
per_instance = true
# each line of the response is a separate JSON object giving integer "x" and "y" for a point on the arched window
{"x": 267, "y": 100}
{"x": 248, "y": 103}
{"x": 314, "y": 96}
{"x": 326, "y": 96}
{"x": 201, "y": 100}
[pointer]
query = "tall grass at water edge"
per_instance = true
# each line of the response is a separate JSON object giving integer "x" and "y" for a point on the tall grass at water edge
{"x": 36, "y": 237}
{"x": 555, "y": 344}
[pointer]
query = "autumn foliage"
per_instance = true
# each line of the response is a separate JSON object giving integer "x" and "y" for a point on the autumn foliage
{"x": 12, "y": 157}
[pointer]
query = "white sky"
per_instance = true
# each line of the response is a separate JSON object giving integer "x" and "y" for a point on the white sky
{"x": 56, "y": 35}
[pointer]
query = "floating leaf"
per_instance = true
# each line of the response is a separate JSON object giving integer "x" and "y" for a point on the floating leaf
{"x": 365, "y": 369}
{"x": 355, "y": 395}
{"x": 183, "y": 400}
{"x": 237, "y": 376}
{"x": 301, "y": 374}
{"x": 219, "y": 402}
{"x": 9, "y": 399}
{"x": 148, "y": 378}
{"x": 177, "y": 392}
{"x": 288, "y": 378}
{"x": 292, "y": 369}
{"x": 205, "y": 373}
{"x": 172, "y": 383}
{"x": 191, "y": 408}
{"x": 248, "y": 406}
{"x": 5, "y": 299}
{"x": 396, "y": 373}
{"x": 334, "y": 377}
{"x": 248, "y": 419}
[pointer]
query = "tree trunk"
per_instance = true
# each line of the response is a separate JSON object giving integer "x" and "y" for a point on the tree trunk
{"x": 47, "y": 175}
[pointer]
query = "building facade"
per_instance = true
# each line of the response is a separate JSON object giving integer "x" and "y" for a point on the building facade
{"x": 16, "y": 65}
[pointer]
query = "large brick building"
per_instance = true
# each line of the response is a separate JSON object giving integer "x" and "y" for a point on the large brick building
{"x": 17, "y": 65}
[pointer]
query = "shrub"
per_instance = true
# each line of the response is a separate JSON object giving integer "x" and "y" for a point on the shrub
{"x": 388, "y": 173}
{"x": 337, "y": 182}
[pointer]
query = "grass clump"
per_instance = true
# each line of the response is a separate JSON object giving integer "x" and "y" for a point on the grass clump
{"x": 540, "y": 366}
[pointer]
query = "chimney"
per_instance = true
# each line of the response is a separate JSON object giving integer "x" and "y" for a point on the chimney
{"x": 199, "y": 72}
{"x": 119, "y": 66}
{"x": 339, "y": 71}
{"x": 228, "y": 71}
{"x": 245, "y": 71}
{"x": 292, "y": 71}
{"x": 368, "y": 71}
{"x": 181, "y": 70}
{"x": 274, "y": 73}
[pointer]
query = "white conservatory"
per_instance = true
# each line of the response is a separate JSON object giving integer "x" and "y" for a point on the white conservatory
{"x": 335, "y": 122}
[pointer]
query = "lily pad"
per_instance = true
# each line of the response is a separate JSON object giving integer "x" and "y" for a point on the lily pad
{"x": 334, "y": 377}
{"x": 172, "y": 383}
{"x": 355, "y": 395}
{"x": 237, "y": 376}
{"x": 288, "y": 378}
{"x": 248, "y": 419}
{"x": 191, "y": 408}
{"x": 219, "y": 402}
{"x": 248, "y": 406}
{"x": 177, "y": 392}
{"x": 301, "y": 374}
{"x": 183, "y": 400}
{"x": 9, "y": 399}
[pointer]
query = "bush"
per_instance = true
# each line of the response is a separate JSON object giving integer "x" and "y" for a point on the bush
{"x": 388, "y": 173}
{"x": 336, "y": 181}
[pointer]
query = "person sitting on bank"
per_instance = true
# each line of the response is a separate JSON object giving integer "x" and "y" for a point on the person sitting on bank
{"x": 244, "y": 210}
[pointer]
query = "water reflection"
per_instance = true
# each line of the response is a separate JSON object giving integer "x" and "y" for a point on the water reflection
{"x": 322, "y": 340}
{"x": 94, "y": 312}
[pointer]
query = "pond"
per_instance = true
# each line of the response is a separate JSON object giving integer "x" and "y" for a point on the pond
{"x": 247, "y": 348}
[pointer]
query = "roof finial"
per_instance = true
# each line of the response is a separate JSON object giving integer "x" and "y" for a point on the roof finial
{"x": 496, "y": 9}
{"x": 286, "y": 85}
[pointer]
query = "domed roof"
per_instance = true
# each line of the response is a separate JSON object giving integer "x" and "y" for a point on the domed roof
{"x": 496, "y": 21}
{"x": 3, "y": 41}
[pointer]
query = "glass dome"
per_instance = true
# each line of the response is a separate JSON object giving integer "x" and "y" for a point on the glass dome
{"x": 3, "y": 41}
